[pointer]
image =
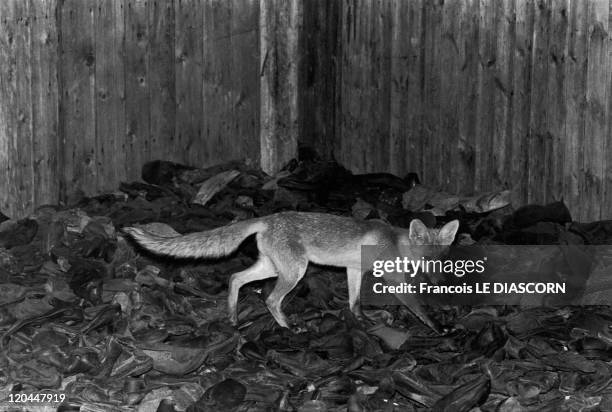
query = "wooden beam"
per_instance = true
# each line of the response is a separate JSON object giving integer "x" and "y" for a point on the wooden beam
{"x": 279, "y": 22}
{"x": 45, "y": 102}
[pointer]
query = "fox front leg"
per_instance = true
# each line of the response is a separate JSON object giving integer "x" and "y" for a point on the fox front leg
{"x": 354, "y": 289}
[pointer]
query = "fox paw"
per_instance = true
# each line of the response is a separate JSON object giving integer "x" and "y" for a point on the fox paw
{"x": 298, "y": 329}
{"x": 296, "y": 325}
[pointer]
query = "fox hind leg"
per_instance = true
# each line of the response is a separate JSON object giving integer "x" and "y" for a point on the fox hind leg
{"x": 262, "y": 269}
{"x": 290, "y": 274}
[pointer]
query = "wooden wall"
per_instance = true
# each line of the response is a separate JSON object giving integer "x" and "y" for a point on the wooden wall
{"x": 92, "y": 89}
{"x": 479, "y": 95}
{"x": 473, "y": 95}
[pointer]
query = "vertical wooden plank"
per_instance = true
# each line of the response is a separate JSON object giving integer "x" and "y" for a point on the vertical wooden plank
{"x": 376, "y": 150}
{"x": 362, "y": 125}
{"x": 110, "y": 94}
{"x": 486, "y": 101}
{"x": 414, "y": 117}
{"x": 280, "y": 22}
{"x": 77, "y": 112}
{"x": 432, "y": 95}
{"x": 137, "y": 85}
{"x": 333, "y": 24}
{"x": 503, "y": 95}
{"x": 217, "y": 82}
{"x": 6, "y": 39}
{"x": 449, "y": 86}
{"x": 355, "y": 84}
{"x": 539, "y": 137}
{"x": 359, "y": 120}
{"x": 400, "y": 66}
{"x": 351, "y": 100}
{"x": 317, "y": 75}
{"x": 188, "y": 69}
{"x": 597, "y": 89}
{"x": 245, "y": 58}
{"x": 521, "y": 101}
{"x": 161, "y": 74}
{"x": 348, "y": 19}
{"x": 427, "y": 28}
{"x": 606, "y": 202}
{"x": 24, "y": 171}
{"x": 308, "y": 72}
{"x": 5, "y": 140}
{"x": 366, "y": 123}
{"x": 45, "y": 99}
{"x": 360, "y": 105}
{"x": 575, "y": 92}
{"x": 372, "y": 134}
{"x": 16, "y": 98}
{"x": 342, "y": 29}
{"x": 556, "y": 99}
{"x": 468, "y": 100}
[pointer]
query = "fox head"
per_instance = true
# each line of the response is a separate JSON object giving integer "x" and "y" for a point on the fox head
{"x": 419, "y": 234}
{"x": 420, "y": 241}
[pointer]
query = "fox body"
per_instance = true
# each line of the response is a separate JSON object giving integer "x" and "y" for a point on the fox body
{"x": 288, "y": 241}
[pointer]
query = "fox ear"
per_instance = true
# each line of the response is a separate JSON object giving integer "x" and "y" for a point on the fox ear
{"x": 448, "y": 232}
{"x": 417, "y": 230}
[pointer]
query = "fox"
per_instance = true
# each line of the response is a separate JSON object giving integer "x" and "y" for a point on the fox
{"x": 289, "y": 241}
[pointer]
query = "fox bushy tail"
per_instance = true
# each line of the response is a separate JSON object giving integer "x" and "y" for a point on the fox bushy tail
{"x": 214, "y": 243}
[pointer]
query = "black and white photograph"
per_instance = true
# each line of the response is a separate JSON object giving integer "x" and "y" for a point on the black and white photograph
{"x": 305, "y": 205}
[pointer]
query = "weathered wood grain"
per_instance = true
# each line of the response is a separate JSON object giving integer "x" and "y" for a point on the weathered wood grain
{"x": 189, "y": 48}
{"x": 406, "y": 145}
{"x": 597, "y": 90}
{"x": 137, "y": 113}
{"x": 468, "y": 37}
{"x": 513, "y": 94}
{"x": 245, "y": 59}
{"x": 348, "y": 119}
{"x": 399, "y": 93}
{"x": 502, "y": 95}
{"x": 77, "y": 113}
{"x": 6, "y": 33}
{"x": 556, "y": 99}
{"x": 15, "y": 94}
{"x": 361, "y": 76}
{"x": 280, "y": 23}
{"x": 46, "y": 143}
{"x": 318, "y": 74}
{"x": 22, "y": 102}
{"x": 575, "y": 91}
{"x": 350, "y": 93}
{"x": 539, "y": 134}
{"x": 369, "y": 105}
{"x": 432, "y": 95}
{"x": 606, "y": 202}
{"x": 472, "y": 94}
{"x": 449, "y": 85}
{"x": 161, "y": 74}
{"x": 95, "y": 88}
{"x": 485, "y": 120}
{"x": 217, "y": 84}
{"x": 111, "y": 145}
{"x": 381, "y": 52}
{"x": 521, "y": 101}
